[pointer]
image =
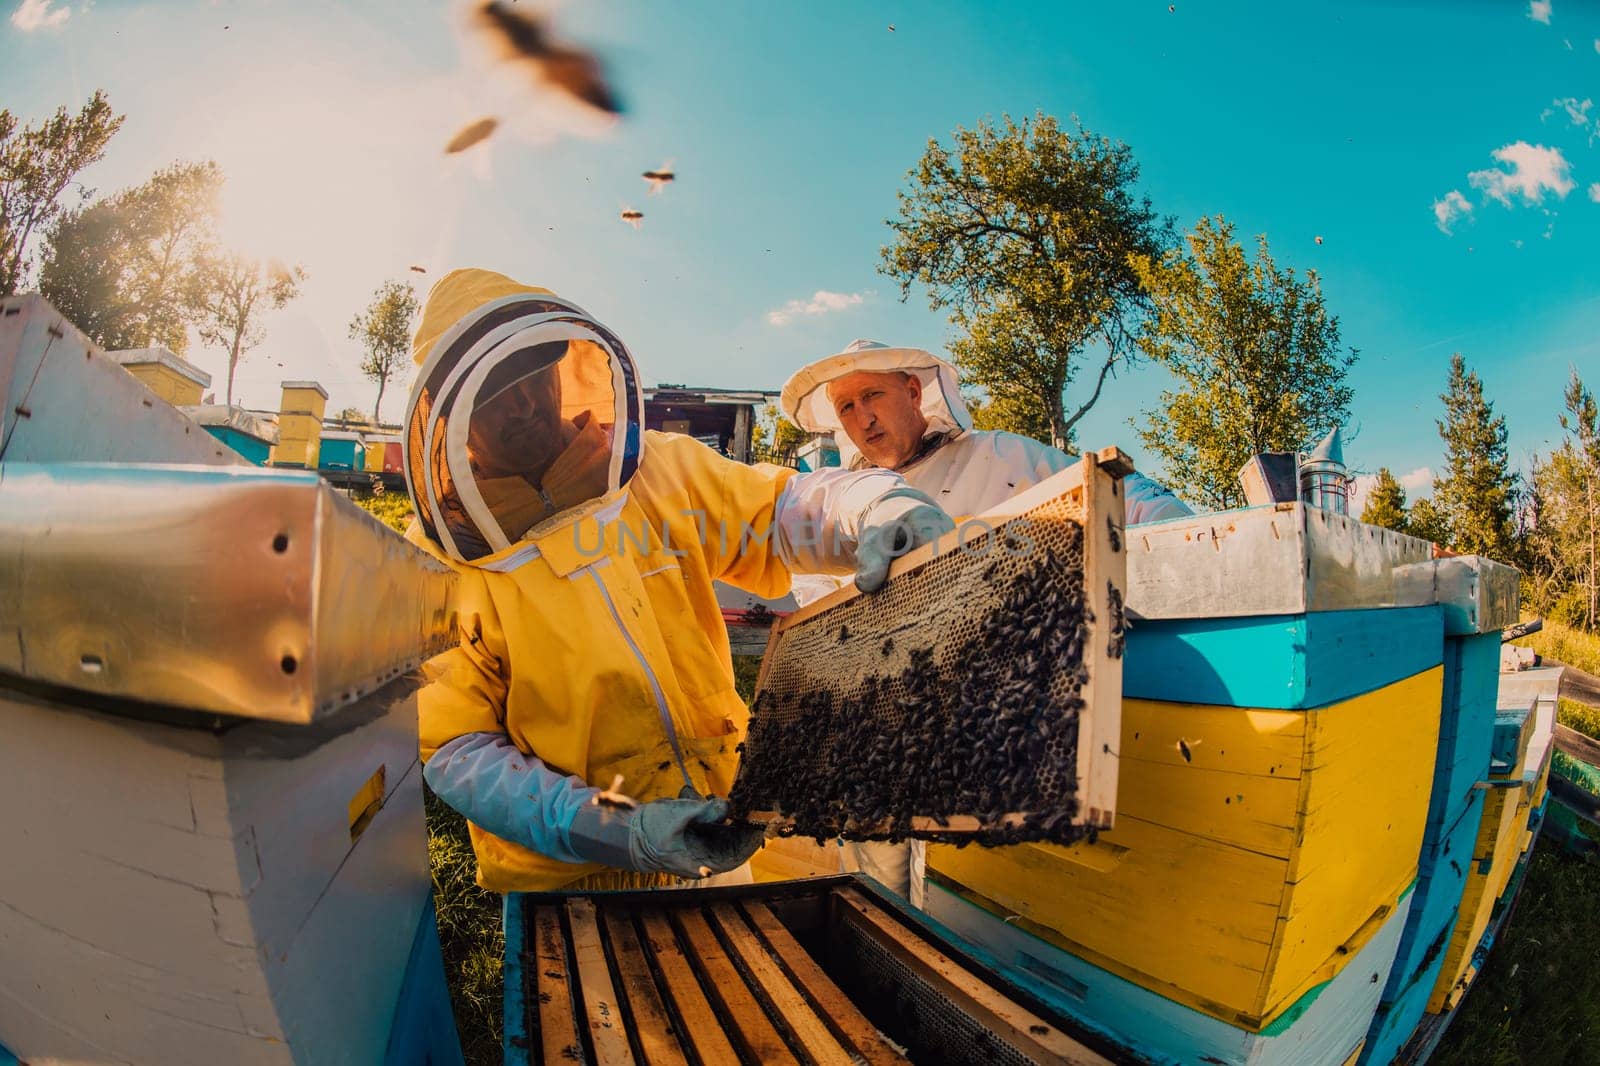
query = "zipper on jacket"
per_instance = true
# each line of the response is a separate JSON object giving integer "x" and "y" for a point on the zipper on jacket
{"x": 655, "y": 686}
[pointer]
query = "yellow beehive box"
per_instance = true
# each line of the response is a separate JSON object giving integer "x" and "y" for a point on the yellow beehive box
{"x": 1255, "y": 851}
{"x": 300, "y": 425}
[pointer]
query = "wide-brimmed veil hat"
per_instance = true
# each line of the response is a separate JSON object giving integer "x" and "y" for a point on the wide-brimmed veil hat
{"x": 805, "y": 401}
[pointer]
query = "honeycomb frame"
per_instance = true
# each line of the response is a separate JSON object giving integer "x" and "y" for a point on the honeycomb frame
{"x": 1004, "y": 641}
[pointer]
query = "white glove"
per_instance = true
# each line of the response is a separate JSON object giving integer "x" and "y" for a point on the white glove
{"x": 899, "y": 522}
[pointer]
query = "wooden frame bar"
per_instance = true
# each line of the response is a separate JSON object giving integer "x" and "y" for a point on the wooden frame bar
{"x": 759, "y": 1039}
{"x": 648, "y": 1020}
{"x": 812, "y": 1034}
{"x": 607, "y": 1027}
{"x": 558, "y": 1030}
{"x": 701, "y": 1027}
{"x": 842, "y": 1016}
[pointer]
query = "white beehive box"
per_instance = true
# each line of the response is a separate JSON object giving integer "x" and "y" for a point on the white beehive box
{"x": 191, "y": 878}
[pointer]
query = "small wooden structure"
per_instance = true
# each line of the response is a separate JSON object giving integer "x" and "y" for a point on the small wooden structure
{"x": 826, "y": 971}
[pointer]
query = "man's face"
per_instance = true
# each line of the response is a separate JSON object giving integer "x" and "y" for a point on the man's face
{"x": 882, "y": 413}
{"x": 518, "y": 432}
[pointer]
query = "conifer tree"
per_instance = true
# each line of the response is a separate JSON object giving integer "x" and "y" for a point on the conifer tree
{"x": 1477, "y": 493}
{"x": 1386, "y": 505}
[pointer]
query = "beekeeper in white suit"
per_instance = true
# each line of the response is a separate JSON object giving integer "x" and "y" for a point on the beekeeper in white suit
{"x": 901, "y": 409}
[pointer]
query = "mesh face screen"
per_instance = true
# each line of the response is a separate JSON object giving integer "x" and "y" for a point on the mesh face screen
{"x": 943, "y": 707}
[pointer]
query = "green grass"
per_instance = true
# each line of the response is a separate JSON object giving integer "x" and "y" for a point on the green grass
{"x": 1537, "y": 1001}
{"x": 469, "y": 932}
{"x": 745, "y": 668}
{"x": 1566, "y": 644}
{"x": 1575, "y": 715}
{"x": 393, "y": 509}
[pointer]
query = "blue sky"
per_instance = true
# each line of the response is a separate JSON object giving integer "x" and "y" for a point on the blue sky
{"x": 792, "y": 126}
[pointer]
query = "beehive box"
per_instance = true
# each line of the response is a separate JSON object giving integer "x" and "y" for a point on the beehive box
{"x": 1268, "y": 877}
{"x": 821, "y": 971}
{"x": 1267, "y": 648}
{"x": 62, "y": 399}
{"x": 222, "y": 856}
{"x": 1325, "y": 1029}
{"x": 975, "y": 696}
{"x": 1258, "y": 816}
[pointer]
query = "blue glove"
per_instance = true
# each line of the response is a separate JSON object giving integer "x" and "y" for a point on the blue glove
{"x": 517, "y": 798}
{"x": 675, "y": 836}
{"x": 900, "y": 521}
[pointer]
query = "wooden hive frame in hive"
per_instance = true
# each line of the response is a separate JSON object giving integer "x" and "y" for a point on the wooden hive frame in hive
{"x": 1007, "y": 636}
{"x": 822, "y": 972}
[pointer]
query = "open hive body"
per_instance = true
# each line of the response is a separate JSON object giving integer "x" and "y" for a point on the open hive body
{"x": 1305, "y": 730}
{"x": 975, "y": 696}
{"x": 825, "y": 971}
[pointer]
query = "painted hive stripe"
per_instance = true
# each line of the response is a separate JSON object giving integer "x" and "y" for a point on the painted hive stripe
{"x": 515, "y": 1014}
{"x": 1434, "y": 912}
{"x": 1270, "y": 842}
{"x": 1326, "y": 1025}
{"x": 1290, "y": 662}
{"x": 1505, "y": 817}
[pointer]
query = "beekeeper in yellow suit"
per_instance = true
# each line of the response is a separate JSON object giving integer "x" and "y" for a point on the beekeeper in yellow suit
{"x": 592, "y": 646}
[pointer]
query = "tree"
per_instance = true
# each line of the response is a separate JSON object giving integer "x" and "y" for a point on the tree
{"x": 786, "y": 436}
{"x": 1256, "y": 355}
{"x": 384, "y": 330}
{"x": 351, "y": 415}
{"x": 1477, "y": 492}
{"x": 36, "y": 166}
{"x": 1025, "y": 233}
{"x": 1564, "y": 538}
{"x": 1011, "y": 414}
{"x": 230, "y": 293}
{"x": 122, "y": 268}
{"x": 1428, "y": 522}
{"x": 1386, "y": 504}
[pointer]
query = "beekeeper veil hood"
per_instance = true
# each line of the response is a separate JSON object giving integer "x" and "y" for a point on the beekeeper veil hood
{"x": 805, "y": 399}
{"x": 524, "y": 408}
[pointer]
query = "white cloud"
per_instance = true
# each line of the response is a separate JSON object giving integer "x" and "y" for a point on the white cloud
{"x": 821, "y": 302}
{"x": 1417, "y": 482}
{"x": 1539, "y": 11}
{"x": 1594, "y": 192}
{"x": 1535, "y": 170}
{"x": 1577, "y": 110}
{"x": 1597, "y": 44}
{"x": 33, "y": 15}
{"x": 1449, "y": 209}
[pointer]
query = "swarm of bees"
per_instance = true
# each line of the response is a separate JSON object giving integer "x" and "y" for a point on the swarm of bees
{"x": 986, "y": 727}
